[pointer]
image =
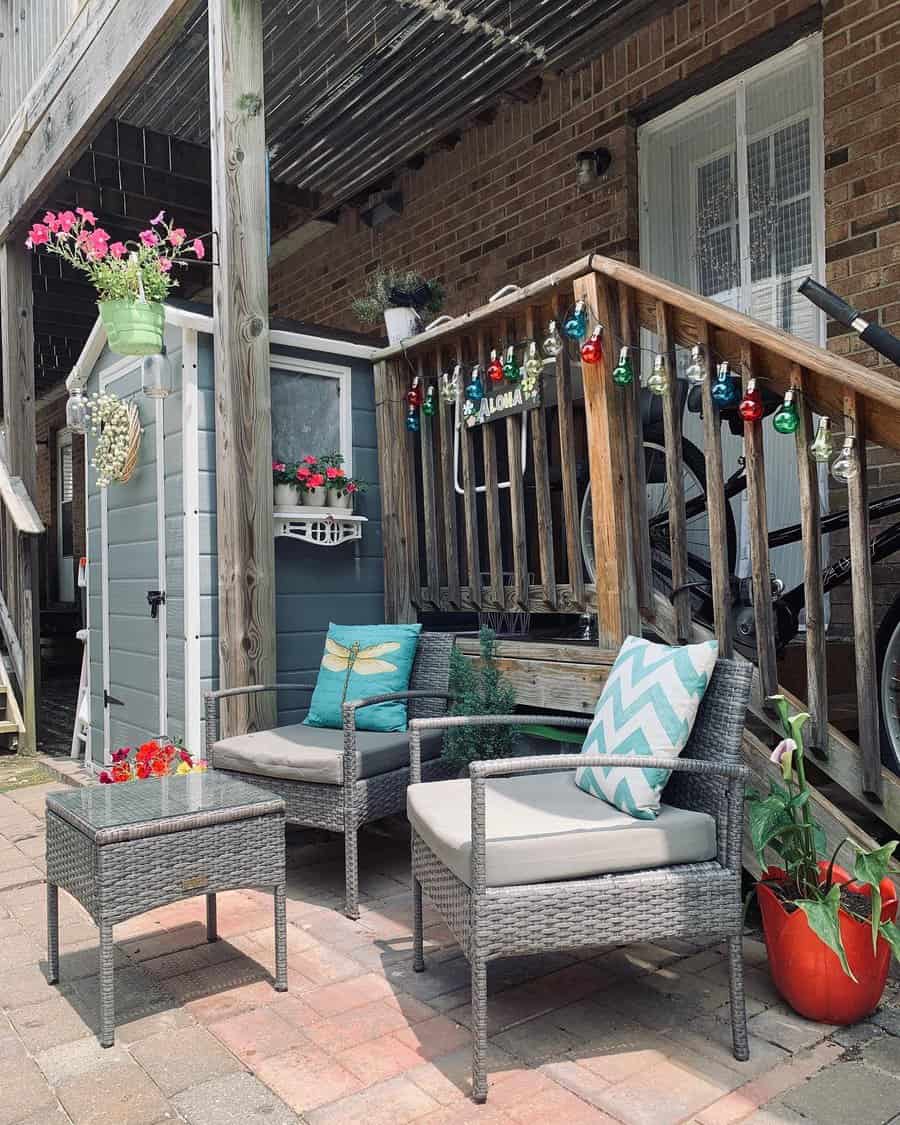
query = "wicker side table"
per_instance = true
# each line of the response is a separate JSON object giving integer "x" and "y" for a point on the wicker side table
{"x": 121, "y": 850}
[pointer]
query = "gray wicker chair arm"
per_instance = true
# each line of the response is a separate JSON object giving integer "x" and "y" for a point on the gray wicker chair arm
{"x": 348, "y": 715}
{"x": 212, "y": 700}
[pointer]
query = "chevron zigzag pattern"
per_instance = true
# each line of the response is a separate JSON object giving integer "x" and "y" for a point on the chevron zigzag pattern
{"x": 647, "y": 709}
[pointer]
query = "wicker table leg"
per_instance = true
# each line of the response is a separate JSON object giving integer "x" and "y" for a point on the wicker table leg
{"x": 107, "y": 992}
{"x": 738, "y": 1002}
{"x": 212, "y": 931}
{"x": 479, "y": 1031}
{"x": 418, "y": 936}
{"x": 281, "y": 981}
{"x": 52, "y": 933}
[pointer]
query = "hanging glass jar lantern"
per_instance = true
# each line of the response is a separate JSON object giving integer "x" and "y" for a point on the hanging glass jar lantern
{"x": 576, "y": 324}
{"x": 156, "y": 375}
{"x": 751, "y": 405}
{"x": 786, "y": 419}
{"x": 846, "y": 464}
{"x": 511, "y": 370}
{"x": 724, "y": 390}
{"x": 658, "y": 381}
{"x": 696, "y": 369}
{"x": 553, "y": 343}
{"x": 77, "y": 412}
{"x": 495, "y": 368}
{"x": 623, "y": 372}
{"x": 821, "y": 448}
{"x": 592, "y": 349}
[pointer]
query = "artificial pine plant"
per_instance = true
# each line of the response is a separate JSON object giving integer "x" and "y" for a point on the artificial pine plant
{"x": 479, "y": 689}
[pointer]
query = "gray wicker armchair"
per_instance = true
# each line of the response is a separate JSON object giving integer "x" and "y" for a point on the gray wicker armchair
{"x": 561, "y": 869}
{"x": 340, "y": 779}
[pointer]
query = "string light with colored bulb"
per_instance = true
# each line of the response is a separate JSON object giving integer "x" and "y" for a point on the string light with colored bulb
{"x": 623, "y": 372}
{"x": 576, "y": 323}
{"x": 511, "y": 370}
{"x": 658, "y": 380}
{"x": 724, "y": 390}
{"x": 696, "y": 370}
{"x": 751, "y": 407}
{"x": 846, "y": 464}
{"x": 553, "y": 343}
{"x": 429, "y": 406}
{"x": 475, "y": 386}
{"x": 821, "y": 448}
{"x": 495, "y": 368}
{"x": 786, "y": 420}
{"x": 592, "y": 349}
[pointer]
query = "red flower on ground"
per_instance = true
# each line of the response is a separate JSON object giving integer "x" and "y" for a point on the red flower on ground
{"x": 121, "y": 755}
{"x": 121, "y": 771}
{"x": 159, "y": 767}
{"x": 185, "y": 756}
{"x": 143, "y": 771}
{"x": 105, "y": 778}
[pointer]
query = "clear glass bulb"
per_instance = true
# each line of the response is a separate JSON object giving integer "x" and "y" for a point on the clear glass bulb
{"x": 658, "y": 382}
{"x": 156, "y": 375}
{"x": 846, "y": 464}
{"x": 696, "y": 369}
{"x": 77, "y": 412}
{"x": 534, "y": 365}
{"x": 822, "y": 446}
{"x": 553, "y": 342}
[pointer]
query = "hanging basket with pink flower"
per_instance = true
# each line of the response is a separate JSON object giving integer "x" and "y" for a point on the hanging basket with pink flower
{"x": 132, "y": 279}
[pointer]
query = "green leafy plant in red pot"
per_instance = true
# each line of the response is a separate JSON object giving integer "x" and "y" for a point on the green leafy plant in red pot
{"x": 829, "y": 933}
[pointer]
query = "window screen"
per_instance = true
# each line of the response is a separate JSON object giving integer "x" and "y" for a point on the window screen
{"x": 306, "y": 414}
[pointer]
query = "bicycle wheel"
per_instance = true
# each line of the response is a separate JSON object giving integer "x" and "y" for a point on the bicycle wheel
{"x": 888, "y": 654}
{"x": 658, "y": 504}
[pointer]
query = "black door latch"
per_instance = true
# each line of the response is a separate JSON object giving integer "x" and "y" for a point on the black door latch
{"x": 155, "y": 598}
{"x": 111, "y": 699}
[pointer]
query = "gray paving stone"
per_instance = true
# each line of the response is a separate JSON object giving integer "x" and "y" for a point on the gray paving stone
{"x": 118, "y": 1092}
{"x": 239, "y": 1099}
{"x": 69, "y": 1060}
{"x": 785, "y": 1029}
{"x": 847, "y": 1092}
{"x": 181, "y": 1059}
{"x": 55, "y": 1021}
{"x": 883, "y": 1053}
{"x": 32, "y": 1093}
{"x": 888, "y": 1019}
{"x": 856, "y": 1034}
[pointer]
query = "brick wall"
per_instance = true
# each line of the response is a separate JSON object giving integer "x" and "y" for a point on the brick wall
{"x": 503, "y": 206}
{"x": 861, "y": 65}
{"x": 50, "y": 419}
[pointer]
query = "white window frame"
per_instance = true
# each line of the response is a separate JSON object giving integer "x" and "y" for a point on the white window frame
{"x": 63, "y": 441}
{"x": 343, "y": 375}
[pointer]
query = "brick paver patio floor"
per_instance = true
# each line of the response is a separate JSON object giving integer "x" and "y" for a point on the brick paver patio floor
{"x": 635, "y": 1034}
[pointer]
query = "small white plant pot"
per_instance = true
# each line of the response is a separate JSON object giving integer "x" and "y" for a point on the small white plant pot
{"x": 338, "y": 499}
{"x": 314, "y": 498}
{"x": 400, "y": 324}
{"x": 287, "y": 496}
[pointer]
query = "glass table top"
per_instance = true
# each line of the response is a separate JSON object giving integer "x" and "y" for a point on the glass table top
{"x": 138, "y": 802}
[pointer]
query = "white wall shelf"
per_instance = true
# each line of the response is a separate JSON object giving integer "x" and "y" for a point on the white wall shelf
{"x": 323, "y": 527}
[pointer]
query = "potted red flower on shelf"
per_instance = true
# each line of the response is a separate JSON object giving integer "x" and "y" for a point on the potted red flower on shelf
{"x": 153, "y": 759}
{"x": 312, "y": 480}
{"x": 829, "y": 933}
{"x": 286, "y": 485}
{"x": 132, "y": 279}
{"x": 342, "y": 489}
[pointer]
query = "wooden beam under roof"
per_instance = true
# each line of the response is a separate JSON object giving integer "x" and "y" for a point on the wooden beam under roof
{"x": 110, "y": 44}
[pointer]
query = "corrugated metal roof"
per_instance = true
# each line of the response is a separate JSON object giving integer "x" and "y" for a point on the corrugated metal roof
{"x": 353, "y": 87}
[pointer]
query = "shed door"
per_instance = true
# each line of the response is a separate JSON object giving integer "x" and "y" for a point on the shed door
{"x": 133, "y": 553}
{"x": 732, "y": 208}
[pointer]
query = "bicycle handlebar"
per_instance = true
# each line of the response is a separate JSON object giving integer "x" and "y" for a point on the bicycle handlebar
{"x": 832, "y": 305}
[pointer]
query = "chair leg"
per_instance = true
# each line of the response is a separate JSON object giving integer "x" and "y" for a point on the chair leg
{"x": 281, "y": 978}
{"x": 738, "y": 1005}
{"x": 52, "y": 933}
{"x": 212, "y": 927}
{"x": 479, "y": 1031}
{"x": 418, "y": 935}
{"x": 107, "y": 994}
{"x": 351, "y": 872}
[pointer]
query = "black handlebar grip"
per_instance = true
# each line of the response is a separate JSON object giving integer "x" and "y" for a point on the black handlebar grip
{"x": 882, "y": 341}
{"x": 830, "y": 303}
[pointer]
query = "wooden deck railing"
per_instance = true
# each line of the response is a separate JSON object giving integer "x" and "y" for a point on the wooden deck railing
{"x": 30, "y": 30}
{"x": 19, "y": 524}
{"x": 465, "y": 530}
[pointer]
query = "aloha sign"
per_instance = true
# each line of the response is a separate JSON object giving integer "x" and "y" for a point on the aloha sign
{"x": 502, "y": 403}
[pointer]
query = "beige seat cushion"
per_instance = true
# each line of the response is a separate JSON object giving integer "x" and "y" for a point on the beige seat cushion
{"x": 542, "y": 828}
{"x": 302, "y": 753}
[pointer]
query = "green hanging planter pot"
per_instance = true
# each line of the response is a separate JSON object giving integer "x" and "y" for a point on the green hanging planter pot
{"x": 133, "y": 327}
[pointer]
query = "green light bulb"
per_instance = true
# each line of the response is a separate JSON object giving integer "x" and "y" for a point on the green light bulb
{"x": 786, "y": 419}
{"x": 623, "y": 372}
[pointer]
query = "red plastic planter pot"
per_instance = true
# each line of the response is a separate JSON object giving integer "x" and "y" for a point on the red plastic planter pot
{"x": 808, "y": 974}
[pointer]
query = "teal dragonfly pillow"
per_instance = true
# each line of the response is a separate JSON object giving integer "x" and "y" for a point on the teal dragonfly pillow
{"x": 360, "y": 661}
{"x": 647, "y": 709}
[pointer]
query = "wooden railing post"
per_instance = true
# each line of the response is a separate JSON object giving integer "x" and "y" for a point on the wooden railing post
{"x": 634, "y": 433}
{"x": 571, "y": 499}
{"x": 863, "y": 610}
{"x": 429, "y": 497}
{"x": 470, "y": 496}
{"x": 446, "y": 412}
{"x": 495, "y": 592}
{"x": 814, "y": 598}
{"x": 395, "y": 485}
{"x": 517, "y": 503}
{"x": 618, "y": 611}
{"x": 28, "y": 631}
{"x": 538, "y": 422}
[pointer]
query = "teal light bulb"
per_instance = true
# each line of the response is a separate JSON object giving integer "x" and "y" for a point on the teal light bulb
{"x": 475, "y": 386}
{"x": 724, "y": 390}
{"x": 412, "y": 420}
{"x": 576, "y": 324}
{"x": 623, "y": 372}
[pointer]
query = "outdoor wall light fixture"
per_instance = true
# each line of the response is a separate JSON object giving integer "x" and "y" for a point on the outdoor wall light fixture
{"x": 590, "y": 165}
{"x": 77, "y": 412}
{"x": 156, "y": 375}
{"x": 387, "y": 208}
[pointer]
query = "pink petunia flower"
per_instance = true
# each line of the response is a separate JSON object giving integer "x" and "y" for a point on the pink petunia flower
{"x": 66, "y": 220}
{"x": 177, "y": 236}
{"x": 351, "y": 487}
{"x": 118, "y": 249}
{"x": 51, "y": 221}
{"x": 309, "y": 459}
{"x": 278, "y": 466}
{"x": 98, "y": 243}
{"x": 164, "y": 265}
{"x": 303, "y": 472}
{"x": 149, "y": 237}
{"x": 86, "y": 216}
{"x": 157, "y": 219}
{"x": 199, "y": 248}
{"x": 333, "y": 473}
{"x": 39, "y": 234}
{"x": 315, "y": 480}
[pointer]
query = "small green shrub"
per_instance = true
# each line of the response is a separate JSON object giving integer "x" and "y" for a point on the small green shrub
{"x": 480, "y": 690}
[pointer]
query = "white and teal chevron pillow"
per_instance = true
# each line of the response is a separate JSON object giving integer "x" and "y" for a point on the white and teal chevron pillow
{"x": 647, "y": 709}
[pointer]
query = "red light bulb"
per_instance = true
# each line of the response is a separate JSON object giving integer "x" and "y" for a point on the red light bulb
{"x": 415, "y": 396}
{"x": 592, "y": 349}
{"x": 751, "y": 405}
{"x": 495, "y": 369}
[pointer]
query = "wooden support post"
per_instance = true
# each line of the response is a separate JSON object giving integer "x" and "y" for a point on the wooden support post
{"x": 567, "y": 460}
{"x": 716, "y": 505}
{"x": 21, "y": 552}
{"x": 246, "y": 544}
{"x": 816, "y": 735}
{"x": 538, "y": 421}
{"x": 863, "y": 611}
{"x": 618, "y": 612}
{"x": 763, "y": 612}
{"x": 390, "y": 410}
{"x": 681, "y": 595}
{"x": 634, "y": 431}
